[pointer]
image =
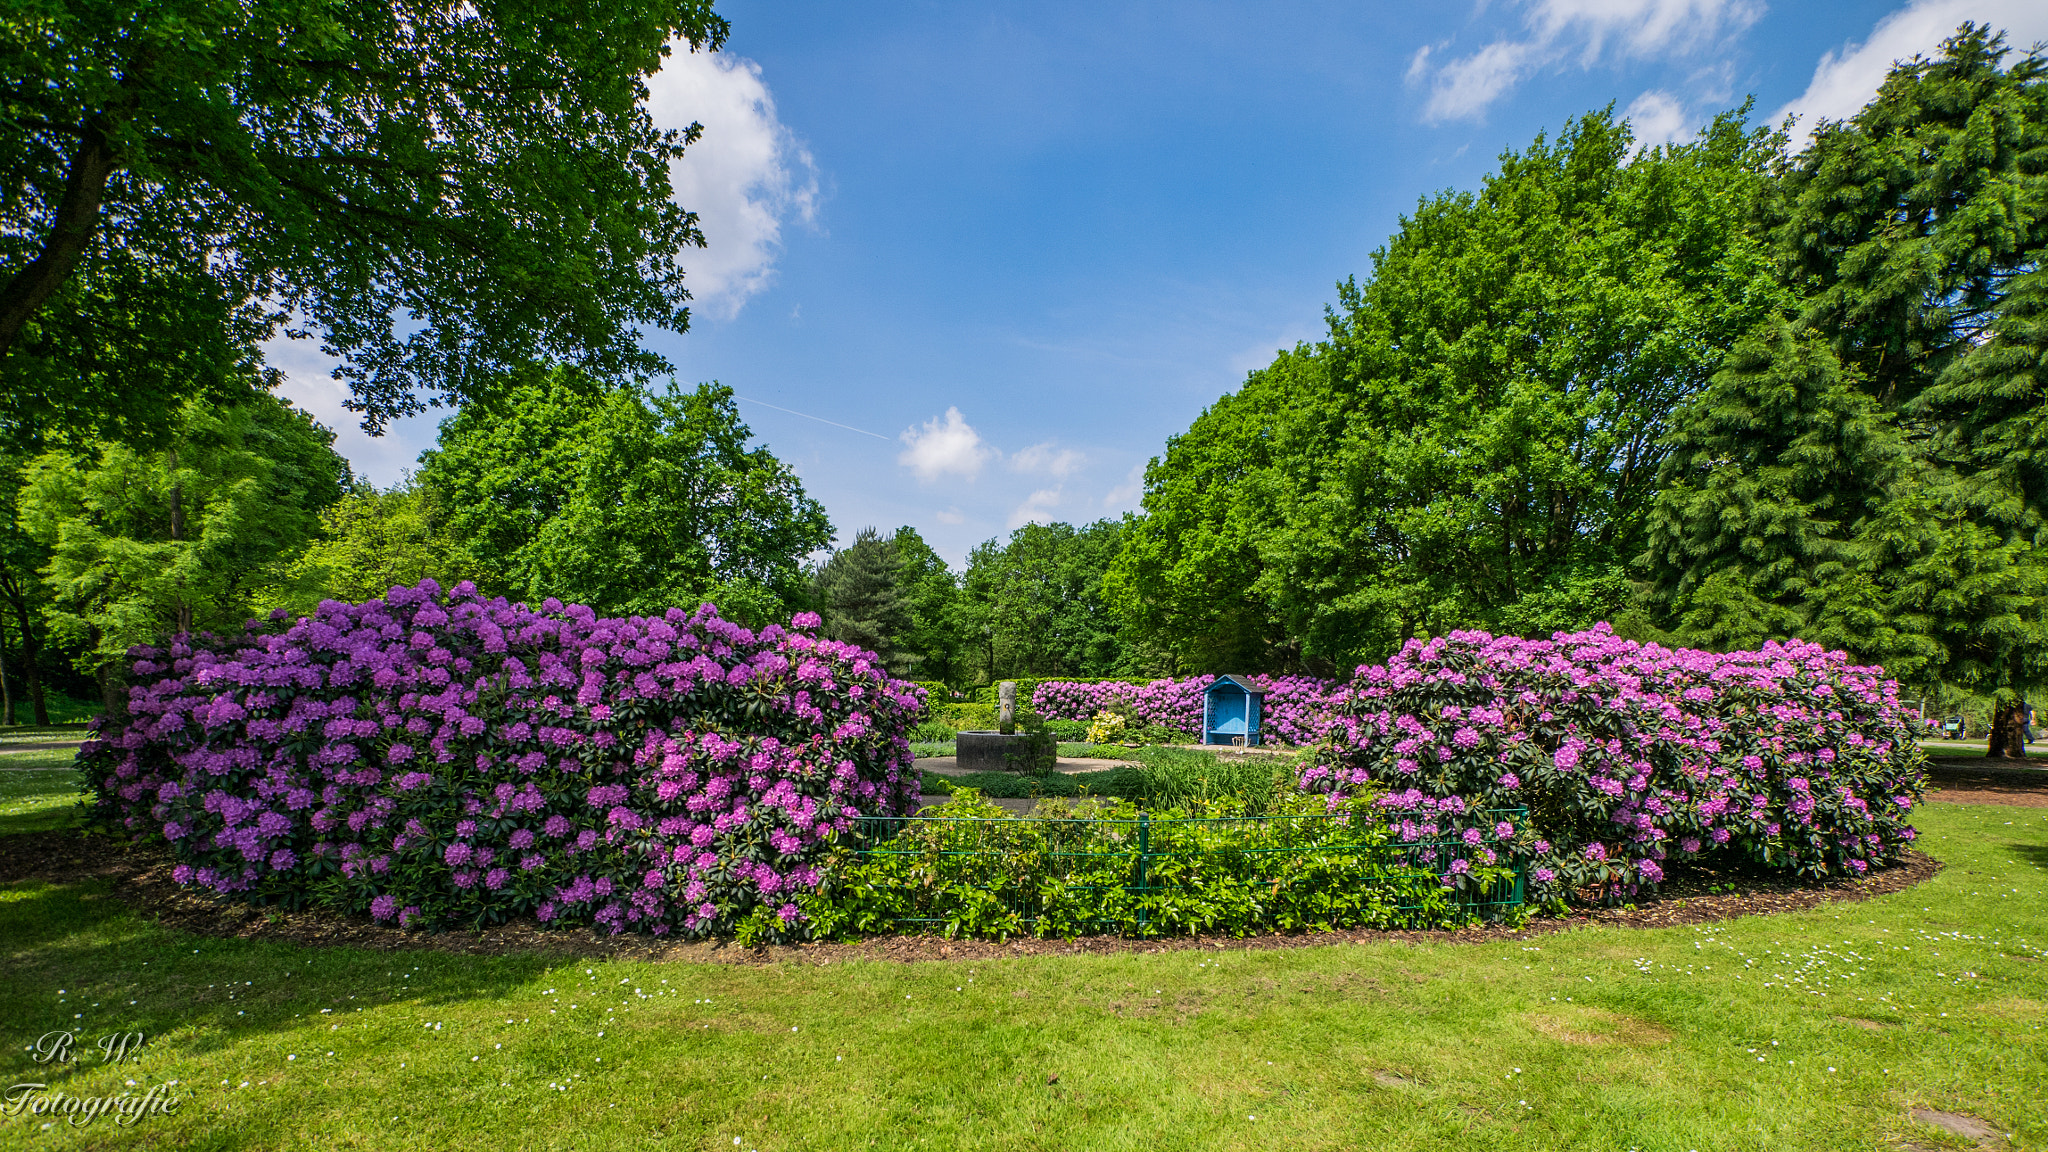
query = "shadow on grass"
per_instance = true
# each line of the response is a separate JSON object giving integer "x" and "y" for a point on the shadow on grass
{"x": 79, "y": 937}
{"x": 2034, "y": 854}
{"x": 40, "y": 800}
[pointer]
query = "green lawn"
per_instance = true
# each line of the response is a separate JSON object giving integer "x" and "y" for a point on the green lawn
{"x": 38, "y": 791}
{"x": 38, "y": 734}
{"x": 1815, "y": 1030}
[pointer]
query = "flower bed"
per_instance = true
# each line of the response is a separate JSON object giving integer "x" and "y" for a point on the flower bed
{"x": 1297, "y": 709}
{"x": 967, "y": 870}
{"x": 435, "y": 759}
{"x": 1633, "y": 756}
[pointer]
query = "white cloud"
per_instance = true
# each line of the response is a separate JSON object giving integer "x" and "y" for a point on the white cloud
{"x": 1845, "y": 80}
{"x": 1556, "y": 30}
{"x": 309, "y": 383}
{"x": 1037, "y": 507}
{"x": 745, "y": 178}
{"x": 1418, "y": 66}
{"x": 1044, "y": 458}
{"x": 1464, "y": 88}
{"x": 1658, "y": 117}
{"x": 1125, "y": 496}
{"x": 945, "y": 444}
{"x": 950, "y": 516}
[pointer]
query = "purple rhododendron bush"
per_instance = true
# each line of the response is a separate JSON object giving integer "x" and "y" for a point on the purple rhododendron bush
{"x": 1297, "y": 709}
{"x": 435, "y": 759}
{"x": 1631, "y": 757}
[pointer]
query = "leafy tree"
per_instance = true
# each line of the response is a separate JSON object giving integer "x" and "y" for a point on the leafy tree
{"x": 859, "y": 588}
{"x": 1867, "y": 470}
{"x": 1035, "y": 603}
{"x": 936, "y": 638}
{"x": 627, "y": 500}
{"x": 21, "y": 588}
{"x": 184, "y": 537}
{"x": 1477, "y": 441}
{"x": 374, "y": 541}
{"x": 437, "y": 191}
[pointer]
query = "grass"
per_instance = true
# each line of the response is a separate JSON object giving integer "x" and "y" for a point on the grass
{"x": 2037, "y": 752}
{"x": 42, "y": 733}
{"x": 1814, "y": 1030}
{"x": 38, "y": 792}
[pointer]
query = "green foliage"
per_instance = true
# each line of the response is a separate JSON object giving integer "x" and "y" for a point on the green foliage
{"x": 859, "y": 593}
{"x": 1182, "y": 778}
{"x": 965, "y": 717}
{"x": 437, "y": 192}
{"x": 376, "y": 541}
{"x": 1476, "y": 444}
{"x": 186, "y": 537}
{"x": 1034, "y": 604}
{"x": 976, "y": 874}
{"x": 629, "y": 501}
{"x": 937, "y": 635}
{"x": 1866, "y": 472}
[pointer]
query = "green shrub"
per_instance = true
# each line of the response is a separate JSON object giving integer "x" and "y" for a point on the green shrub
{"x": 965, "y": 717}
{"x": 982, "y": 875}
{"x": 933, "y": 732}
{"x": 1154, "y": 734}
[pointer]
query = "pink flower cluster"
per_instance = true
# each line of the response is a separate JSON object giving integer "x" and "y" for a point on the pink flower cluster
{"x": 1631, "y": 756}
{"x": 1297, "y": 709}
{"x": 439, "y": 759}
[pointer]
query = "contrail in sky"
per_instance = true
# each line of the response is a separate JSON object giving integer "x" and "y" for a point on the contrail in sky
{"x": 808, "y": 416}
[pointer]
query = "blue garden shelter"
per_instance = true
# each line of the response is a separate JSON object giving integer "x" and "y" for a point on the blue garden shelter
{"x": 1231, "y": 709}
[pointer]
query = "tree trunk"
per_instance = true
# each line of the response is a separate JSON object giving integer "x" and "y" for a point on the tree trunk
{"x": 31, "y": 649}
{"x": 6, "y": 692}
{"x": 2008, "y": 732}
{"x": 114, "y": 698}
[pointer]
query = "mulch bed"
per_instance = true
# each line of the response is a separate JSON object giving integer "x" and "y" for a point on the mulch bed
{"x": 140, "y": 878}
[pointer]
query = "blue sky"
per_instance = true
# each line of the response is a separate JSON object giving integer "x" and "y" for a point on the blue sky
{"x": 1012, "y": 248}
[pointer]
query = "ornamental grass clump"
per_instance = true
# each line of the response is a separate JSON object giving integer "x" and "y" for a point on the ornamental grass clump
{"x": 436, "y": 760}
{"x": 1632, "y": 757}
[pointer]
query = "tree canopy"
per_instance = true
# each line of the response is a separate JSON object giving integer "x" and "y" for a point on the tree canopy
{"x": 438, "y": 192}
{"x": 188, "y": 536}
{"x": 628, "y": 500}
{"x": 859, "y": 591}
{"x": 1034, "y": 605}
{"x": 373, "y": 541}
{"x": 1867, "y": 469}
{"x": 1477, "y": 441}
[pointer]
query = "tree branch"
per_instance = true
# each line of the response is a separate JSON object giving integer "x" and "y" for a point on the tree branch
{"x": 78, "y": 213}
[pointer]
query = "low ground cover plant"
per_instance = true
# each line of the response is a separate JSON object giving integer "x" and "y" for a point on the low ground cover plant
{"x": 437, "y": 758}
{"x": 1633, "y": 757}
{"x": 1197, "y": 867}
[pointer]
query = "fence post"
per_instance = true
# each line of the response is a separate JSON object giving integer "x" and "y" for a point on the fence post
{"x": 1144, "y": 850}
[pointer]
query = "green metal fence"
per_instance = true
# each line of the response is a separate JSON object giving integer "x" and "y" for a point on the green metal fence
{"x": 1130, "y": 862}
